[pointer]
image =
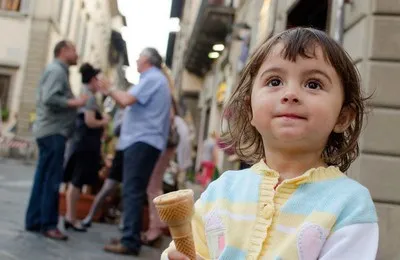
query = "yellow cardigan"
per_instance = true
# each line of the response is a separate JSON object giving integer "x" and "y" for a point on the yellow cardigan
{"x": 244, "y": 215}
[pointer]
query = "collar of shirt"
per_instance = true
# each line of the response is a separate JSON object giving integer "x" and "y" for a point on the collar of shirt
{"x": 63, "y": 65}
{"x": 147, "y": 72}
{"x": 311, "y": 175}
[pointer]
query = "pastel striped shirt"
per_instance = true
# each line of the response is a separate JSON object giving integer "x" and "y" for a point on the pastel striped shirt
{"x": 321, "y": 214}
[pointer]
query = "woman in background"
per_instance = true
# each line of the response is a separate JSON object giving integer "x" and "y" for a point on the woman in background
{"x": 83, "y": 165}
{"x": 115, "y": 176}
{"x": 183, "y": 151}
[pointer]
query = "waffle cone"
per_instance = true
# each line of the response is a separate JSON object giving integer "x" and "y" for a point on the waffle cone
{"x": 176, "y": 210}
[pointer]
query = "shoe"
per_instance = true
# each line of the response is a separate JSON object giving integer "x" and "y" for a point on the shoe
{"x": 33, "y": 229}
{"x": 155, "y": 242}
{"x": 118, "y": 248}
{"x": 55, "y": 234}
{"x": 74, "y": 227}
{"x": 114, "y": 240}
{"x": 86, "y": 224}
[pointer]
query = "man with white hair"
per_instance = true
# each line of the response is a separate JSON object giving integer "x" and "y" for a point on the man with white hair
{"x": 143, "y": 137}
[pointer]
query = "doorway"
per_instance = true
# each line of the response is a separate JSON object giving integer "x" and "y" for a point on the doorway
{"x": 309, "y": 13}
{"x": 5, "y": 81}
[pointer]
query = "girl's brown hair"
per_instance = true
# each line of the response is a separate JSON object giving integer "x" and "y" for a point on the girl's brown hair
{"x": 342, "y": 148}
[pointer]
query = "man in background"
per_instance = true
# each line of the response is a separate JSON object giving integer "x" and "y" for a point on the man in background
{"x": 143, "y": 137}
{"x": 56, "y": 111}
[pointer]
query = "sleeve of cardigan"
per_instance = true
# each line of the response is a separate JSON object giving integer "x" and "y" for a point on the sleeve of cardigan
{"x": 358, "y": 241}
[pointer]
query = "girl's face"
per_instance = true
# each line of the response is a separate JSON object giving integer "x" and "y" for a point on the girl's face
{"x": 296, "y": 105}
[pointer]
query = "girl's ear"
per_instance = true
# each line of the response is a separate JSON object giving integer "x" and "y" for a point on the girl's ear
{"x": 346, "y": 117}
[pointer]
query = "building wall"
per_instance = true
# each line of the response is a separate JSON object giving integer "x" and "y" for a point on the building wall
{"x": 188, "y": 87}
{"x": 13, "y": 50}
{"x": 42, "y": 15}
{"x": 116, "y": 73}
{"x": 89, "y": 27}
{"x": 87, "y": 23}
{"x": 248, "y": 12}
{"x": 372, "y": 38}
{"x": 13, "y": 47}
{"x": 185, "y": 81}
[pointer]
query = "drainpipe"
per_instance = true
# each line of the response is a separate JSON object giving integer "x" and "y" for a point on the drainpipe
{"x": 274, "y": 17}
{"x": 339, "y": 28}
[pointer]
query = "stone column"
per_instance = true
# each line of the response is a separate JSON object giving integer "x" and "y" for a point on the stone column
{"x": 372, "y": 38}
{"x": 36, "y": 60}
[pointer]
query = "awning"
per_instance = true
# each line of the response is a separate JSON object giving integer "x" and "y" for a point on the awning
{"x": 212, "y": 25}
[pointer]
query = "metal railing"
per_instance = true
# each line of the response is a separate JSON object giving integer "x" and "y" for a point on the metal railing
{"x": 17, "y": 147}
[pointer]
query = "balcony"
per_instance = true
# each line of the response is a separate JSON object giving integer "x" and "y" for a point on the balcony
{"x": 213, "y": 24}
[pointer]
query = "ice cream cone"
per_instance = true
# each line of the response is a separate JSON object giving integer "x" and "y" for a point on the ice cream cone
{"x": 176, "y": 210}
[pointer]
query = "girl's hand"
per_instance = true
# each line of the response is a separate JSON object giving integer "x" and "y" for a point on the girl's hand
{"x": 175, "y": 255}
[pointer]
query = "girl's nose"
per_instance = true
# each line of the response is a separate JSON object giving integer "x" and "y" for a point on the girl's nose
{"x": 290, "y": 97}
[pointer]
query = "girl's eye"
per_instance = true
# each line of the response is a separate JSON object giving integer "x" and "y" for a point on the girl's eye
{"x": 313, "y": 85}
{"x": 274, "y": 83}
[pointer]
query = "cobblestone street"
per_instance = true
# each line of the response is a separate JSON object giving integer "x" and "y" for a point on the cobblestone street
{"x": 15, "y": 243}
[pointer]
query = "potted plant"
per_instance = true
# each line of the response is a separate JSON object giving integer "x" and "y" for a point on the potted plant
{"x": 4, "y": 114}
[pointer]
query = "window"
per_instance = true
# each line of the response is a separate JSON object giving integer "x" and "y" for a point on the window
{"x": 5, "y": 81}
{"x": 10, "y": 5}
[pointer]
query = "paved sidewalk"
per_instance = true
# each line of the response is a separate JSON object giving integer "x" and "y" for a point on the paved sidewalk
{"x": 15, "y": 243}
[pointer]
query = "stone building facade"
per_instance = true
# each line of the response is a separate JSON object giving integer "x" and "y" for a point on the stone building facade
{"x": 368, "y": 30}
{"x": 30, "y": 30}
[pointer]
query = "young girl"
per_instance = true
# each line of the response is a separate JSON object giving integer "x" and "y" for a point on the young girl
{"x": 298, "y": 111}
